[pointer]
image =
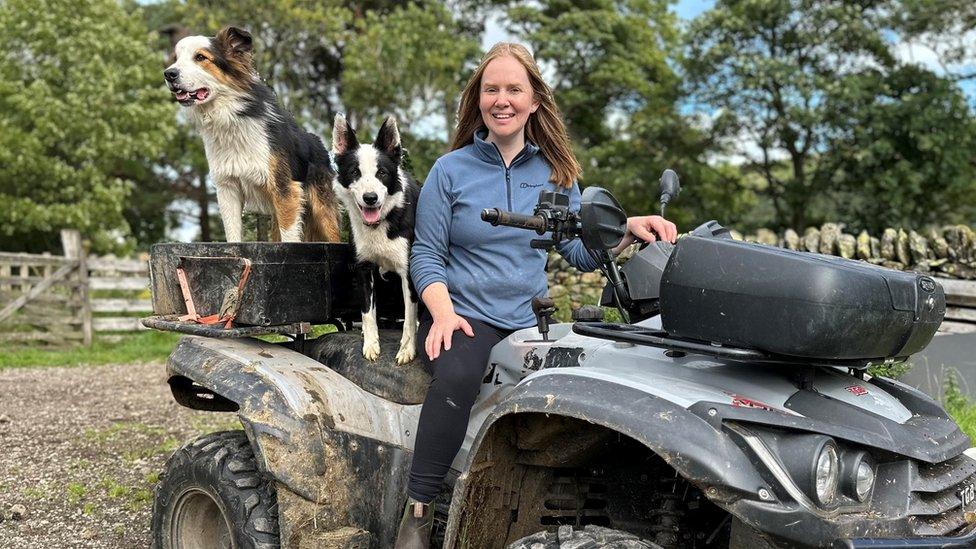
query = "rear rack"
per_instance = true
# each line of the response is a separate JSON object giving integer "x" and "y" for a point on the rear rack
{"x": 640, "y": 335}
{"x": 172, "y": 323}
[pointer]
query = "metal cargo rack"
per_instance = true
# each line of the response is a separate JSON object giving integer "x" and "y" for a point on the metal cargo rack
{"x": 172, "y": 323}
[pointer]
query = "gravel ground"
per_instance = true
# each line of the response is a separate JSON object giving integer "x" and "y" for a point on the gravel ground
{"x": 81, "y": 449}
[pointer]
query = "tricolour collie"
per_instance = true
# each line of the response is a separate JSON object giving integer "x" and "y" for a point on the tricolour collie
{"x": 381, "y": 199}
{"x": 259, "y": 159}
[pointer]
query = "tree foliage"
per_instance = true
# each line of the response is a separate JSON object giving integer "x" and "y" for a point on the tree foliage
{"x": 82, "y": 115}
{"x": 900, "y": 151}
{"x": 408, "y": 62}
{"x": 361, "y": 59}
{"x": 826, "y": 112}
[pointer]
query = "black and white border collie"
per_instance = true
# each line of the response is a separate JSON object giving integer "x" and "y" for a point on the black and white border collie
{"x": 381, "y": 199}
{"x": 259, "y": 158}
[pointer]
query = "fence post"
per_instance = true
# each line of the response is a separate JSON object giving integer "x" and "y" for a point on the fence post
{"x": 71, "y": 242}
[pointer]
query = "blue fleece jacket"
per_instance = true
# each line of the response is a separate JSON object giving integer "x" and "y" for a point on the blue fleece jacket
{"x": 490, "y": 272}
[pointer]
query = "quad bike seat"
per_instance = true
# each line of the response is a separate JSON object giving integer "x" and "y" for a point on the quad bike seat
{"x": 343, "y": 352}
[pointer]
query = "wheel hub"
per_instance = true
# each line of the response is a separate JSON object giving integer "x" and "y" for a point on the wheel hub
{"x": 199, "y": 522}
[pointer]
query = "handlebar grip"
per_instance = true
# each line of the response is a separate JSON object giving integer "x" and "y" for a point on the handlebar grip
{"x": 497, "y": 217}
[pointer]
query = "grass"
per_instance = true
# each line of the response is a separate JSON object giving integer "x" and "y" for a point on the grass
{"x": 157, "y": 443}
{"x": 959, "y": 407}
{"x": 210, "y": 423}
{"x": 76, "y": 491}
{"x": 34, "y": 493}
{"x": 146, "y": 346}
{"x": 113, "y": 348}
{"x": 113, "y": 488}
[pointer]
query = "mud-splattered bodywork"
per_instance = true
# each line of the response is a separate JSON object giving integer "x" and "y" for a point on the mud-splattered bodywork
{"x": 340, "y": 452}
{"x": 723, "y": 427}
{"x": 337, "y": 451}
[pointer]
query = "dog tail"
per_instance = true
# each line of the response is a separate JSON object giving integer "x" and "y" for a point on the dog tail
{"x": 322, "y": 213}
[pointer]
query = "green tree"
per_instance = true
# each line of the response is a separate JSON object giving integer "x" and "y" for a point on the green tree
{"x": 767, "y": 67}
{"x": 81, "y": 116}
{"x": 900, "y": 151}
{"x": 408, "y": 62}
{"x": 828, "y": 116}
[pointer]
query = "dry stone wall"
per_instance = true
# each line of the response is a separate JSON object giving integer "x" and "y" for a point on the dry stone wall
{"x": 948, "y": 252}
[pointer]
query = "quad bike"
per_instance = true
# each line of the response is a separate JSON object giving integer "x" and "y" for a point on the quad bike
{"x": 730, "y": 408}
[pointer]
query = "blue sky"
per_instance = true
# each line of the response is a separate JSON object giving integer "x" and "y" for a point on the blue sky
{"x": 688, "y": 9}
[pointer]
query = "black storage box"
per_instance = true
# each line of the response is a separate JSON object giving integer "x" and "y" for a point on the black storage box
{"x": 288, "y": 282}
{"x": 796, "y": 303}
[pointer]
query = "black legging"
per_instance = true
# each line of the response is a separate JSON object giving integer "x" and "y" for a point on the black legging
{"x": 455, "y": 382}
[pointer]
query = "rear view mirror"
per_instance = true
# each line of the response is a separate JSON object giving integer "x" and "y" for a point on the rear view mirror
{"x": 670, "y": 187}
{"x": 604, "y": 221}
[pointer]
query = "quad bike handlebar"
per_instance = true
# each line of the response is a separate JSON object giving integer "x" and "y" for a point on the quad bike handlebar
{"x": 551, "y": 215}
{"x": 498, "y": 217}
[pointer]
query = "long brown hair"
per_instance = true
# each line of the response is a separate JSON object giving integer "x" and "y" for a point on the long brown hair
{"x": 545, "y": 127}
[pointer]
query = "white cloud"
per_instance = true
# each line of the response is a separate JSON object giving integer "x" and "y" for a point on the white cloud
{"x": 930, "y": 53}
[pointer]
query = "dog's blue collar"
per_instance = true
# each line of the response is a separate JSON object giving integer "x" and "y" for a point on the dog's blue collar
{"x": 489, "y": 152}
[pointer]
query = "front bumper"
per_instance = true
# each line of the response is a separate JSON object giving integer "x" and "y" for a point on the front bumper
{"x": 965, "y": 540}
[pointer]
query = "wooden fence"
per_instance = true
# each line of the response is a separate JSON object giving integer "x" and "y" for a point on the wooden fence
{"x": 64, "y": 299}
{"x": 960, "y": 306}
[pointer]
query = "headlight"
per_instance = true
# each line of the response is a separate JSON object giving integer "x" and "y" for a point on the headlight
{"x": 859, "y": 475}
{"x": 865, "y": 480}
{"x": 811, "y": 467}
{"x": 827, "y": 473}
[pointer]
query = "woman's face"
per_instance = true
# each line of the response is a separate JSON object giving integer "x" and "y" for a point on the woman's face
{"x": 506, "y": 98}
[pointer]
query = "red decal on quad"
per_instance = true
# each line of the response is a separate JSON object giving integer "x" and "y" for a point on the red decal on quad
{"x": 857, "y": 390}
{"x": 739, "y": 401}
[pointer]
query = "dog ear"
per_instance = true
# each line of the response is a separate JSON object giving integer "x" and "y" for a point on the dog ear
{"x": 343, "y": 136}
{"x": 235, "y": 40}
{"x": 388, "y": 139}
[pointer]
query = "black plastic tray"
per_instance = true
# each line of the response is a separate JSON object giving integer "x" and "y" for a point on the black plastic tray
{"x": 796, "y": 304}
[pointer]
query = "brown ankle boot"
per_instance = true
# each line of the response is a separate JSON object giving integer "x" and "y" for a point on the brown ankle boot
{"x": 414, "y": 532}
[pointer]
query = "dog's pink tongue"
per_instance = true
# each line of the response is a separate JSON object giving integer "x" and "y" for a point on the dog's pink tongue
{"x": 371, "y": 215}
{"x": 202, "y": 94}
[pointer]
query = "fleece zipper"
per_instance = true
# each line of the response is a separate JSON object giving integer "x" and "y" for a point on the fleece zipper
{"x": 508, "y": 172}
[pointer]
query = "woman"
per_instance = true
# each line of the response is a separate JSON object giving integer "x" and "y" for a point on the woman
{"x": 478, "y": 279}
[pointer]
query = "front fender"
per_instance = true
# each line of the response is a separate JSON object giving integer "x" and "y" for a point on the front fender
{"x": 701, "y": 453}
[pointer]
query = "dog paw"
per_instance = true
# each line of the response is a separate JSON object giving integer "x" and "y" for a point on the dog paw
{"x": 406, "y": 354}
{"x": 371, "y": 349}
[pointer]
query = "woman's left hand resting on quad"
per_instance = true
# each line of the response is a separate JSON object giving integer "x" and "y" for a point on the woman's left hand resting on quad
{"x": 647, "y": 228}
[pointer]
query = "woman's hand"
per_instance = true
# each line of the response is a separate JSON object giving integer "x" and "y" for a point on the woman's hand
{"x": 446, "y": 321}
{"x": 647, "y": 228}
{"x": 441, "y": 332}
